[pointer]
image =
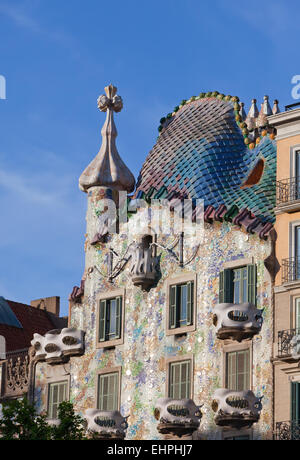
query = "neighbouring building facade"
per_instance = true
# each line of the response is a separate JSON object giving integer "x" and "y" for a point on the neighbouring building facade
{"x": 18, "y": 323}
{"x": 171, "y": 332}
{"x": 287, "y": 286}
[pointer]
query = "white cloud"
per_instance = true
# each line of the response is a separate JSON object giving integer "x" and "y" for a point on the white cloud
{"x": 20, "y": 16}
{"x": 39, "y": 206}
{"x": 42, "y": 177}
{"x": 15, "y": 183}
{"x": 271, "y": 19}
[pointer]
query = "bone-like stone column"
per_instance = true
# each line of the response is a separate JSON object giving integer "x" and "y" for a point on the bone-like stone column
{"x": 106, "y": 180}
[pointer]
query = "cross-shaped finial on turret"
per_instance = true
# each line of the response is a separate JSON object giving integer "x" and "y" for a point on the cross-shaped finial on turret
{"x": 107, "y": 168}
{"x": 111, "y": 100}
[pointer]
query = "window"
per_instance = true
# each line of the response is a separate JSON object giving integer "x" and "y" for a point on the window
{"x": 57, "y": 394}
{"x": 238, "y": 285}
{"x": 255, "y": 175}
{"x": 108, "y": 391}
{"x": 297, "y": 315}
{"x": 238, "y": 370}
{"x": 180, "y": 380}
{"x": 297, "y": 252}
{"x": 181, "y": 300}
{"x": 295, "y": 401}
{"x": 242, "y": 437}
{"x": 297, "y": 170}
{"x": 295, "y": 410}
{"x": 110, "y": 319}
{"x": 1, "y": 378}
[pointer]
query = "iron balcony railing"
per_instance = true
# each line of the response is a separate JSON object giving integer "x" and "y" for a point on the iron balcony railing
{"x": 287, "y": 190}
{"x": 17, "y": 353}
{"x": 290, "y": 269}
{"x": 285, "y": 342}
{"x": 288, "y": 431}
{"x": 292, "y": 106}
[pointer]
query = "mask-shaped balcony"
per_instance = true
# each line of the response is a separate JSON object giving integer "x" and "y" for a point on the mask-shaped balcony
{"x": 236, "y": 409}
{"x": 106, "y": 424}
{"x": 143, "y": 264}
{"x": 237, "y": 321}
{"x": 58, "y": 345}
{"x": 177, "y": 417}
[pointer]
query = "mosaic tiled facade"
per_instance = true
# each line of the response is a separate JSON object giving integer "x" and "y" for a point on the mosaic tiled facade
{"x": 200, "y": 154}
{"x": 146, "y": 347}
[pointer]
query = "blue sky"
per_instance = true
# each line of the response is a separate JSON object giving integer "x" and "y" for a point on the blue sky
{"x": 57, "y": 57}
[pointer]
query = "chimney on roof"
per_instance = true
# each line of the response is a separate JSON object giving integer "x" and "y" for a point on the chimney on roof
{"x": 252, "y": 116}
{"x": 265, "y": 111}
{"x": 242, "y": 111}
{"x": 275, "y": 109}
{"x": 50, "y": 304}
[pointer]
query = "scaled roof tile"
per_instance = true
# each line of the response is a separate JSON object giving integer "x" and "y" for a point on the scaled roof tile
{"x": 204, "y": 147}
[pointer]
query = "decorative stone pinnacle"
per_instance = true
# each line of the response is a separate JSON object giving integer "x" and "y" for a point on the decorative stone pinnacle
{"x": 265, "y": 111}
{"x": 242, "y": 111}
{"x": 253, "y": 112}
{"x": 111, "y": 100}
{"x": 107, "y": 169}
{"x": 266, "y": 106}
{"x": 252, "y": 116}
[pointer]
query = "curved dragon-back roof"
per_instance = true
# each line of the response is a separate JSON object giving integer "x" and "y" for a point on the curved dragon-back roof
{"x": 205, "y": 151}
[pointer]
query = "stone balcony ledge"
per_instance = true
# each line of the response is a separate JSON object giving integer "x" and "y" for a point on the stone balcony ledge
{"x": 106, "y": 424}
{"x": 237, "y": 321}
{"x": 58, "y": 345}
{"x": 236, "y": 409}
{"x": 177, "y": 417}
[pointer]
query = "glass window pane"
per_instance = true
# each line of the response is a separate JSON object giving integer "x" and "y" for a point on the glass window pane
{"x": 240, "y": 285}
{"x": 57, "y": 394}
{"x": 237, "y": 285}
{"x": 297, "y": 181}
{"x": 108, "y": 391}
{"x": 183, "y": 305}
{"x": 238, "y": 370}
{"x": 183, "y": 382}
{"x": 297, "y": 315}
{"x": 295, "y": 401}
{"x": 61, "y": 396}
{"x": 188, "y": 381}
{"x": 298, "y": 165}
{"x": 54, "y": 393}
{"x": 112, "y": 318}
{"x": 231, "y": 371}
{"x": 244, "y": 298}
{"x": 297, "y": 252}
{"x": 238, "y": 438}
{"x": 180, "y": 381}
{"x": 175, "y": 381}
